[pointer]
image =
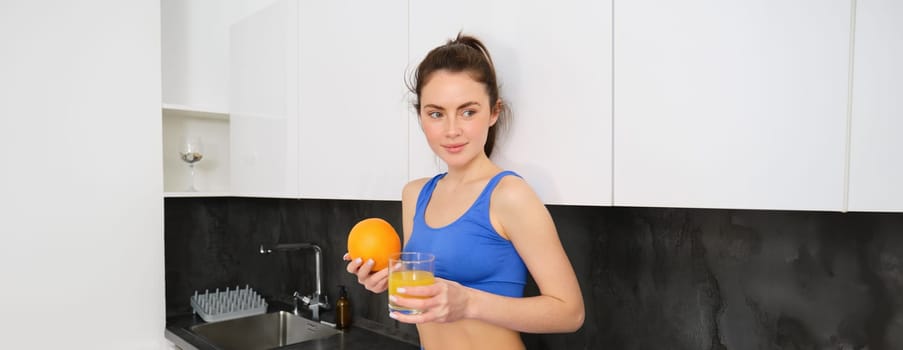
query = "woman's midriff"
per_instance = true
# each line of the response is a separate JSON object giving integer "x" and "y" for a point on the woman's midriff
{"x": 468, "y": 334}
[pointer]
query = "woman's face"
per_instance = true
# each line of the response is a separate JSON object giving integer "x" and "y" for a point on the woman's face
{"x": 455, "y": 116}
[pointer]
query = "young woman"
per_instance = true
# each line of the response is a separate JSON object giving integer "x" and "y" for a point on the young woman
{"x": 486, "y": 226}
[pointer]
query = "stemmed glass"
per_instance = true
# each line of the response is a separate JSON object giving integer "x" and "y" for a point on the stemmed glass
{"x": 192, "y": 152}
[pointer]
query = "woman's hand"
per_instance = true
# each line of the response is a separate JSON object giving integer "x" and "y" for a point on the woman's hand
{"x": 446, "y": 301}
{"x": 375, "y": 282}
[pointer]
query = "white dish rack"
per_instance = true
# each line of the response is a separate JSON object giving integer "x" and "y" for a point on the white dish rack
{"x": 228, "y": 304}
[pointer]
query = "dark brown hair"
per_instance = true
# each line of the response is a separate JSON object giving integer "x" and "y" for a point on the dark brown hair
{"x": 463, "y": 54}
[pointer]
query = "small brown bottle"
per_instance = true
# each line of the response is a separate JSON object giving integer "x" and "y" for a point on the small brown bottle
{"x": 342, "y": 310}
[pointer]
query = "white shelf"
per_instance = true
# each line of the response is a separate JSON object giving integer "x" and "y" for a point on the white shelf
{"x": 196, "y": 194}
{"x": 212, "y": 173}
{"x": 228, "y": 194}
{"x": 187, "y": 111}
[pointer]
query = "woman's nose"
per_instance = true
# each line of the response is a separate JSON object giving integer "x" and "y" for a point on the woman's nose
{"x": 452, "y": 128}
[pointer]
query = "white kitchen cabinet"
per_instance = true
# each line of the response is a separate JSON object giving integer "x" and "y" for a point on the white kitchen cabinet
{"x": 353, "y": 102}
{"x": 195, "y": 44}
{"x": 195, "y": 77}
{"x": 194, "y": 62}
{"x": 876, "y": 146}
{"x": 553, "y": 61}
{"x": 731, "y": 104}
{"x": 264, "y": 103}
{"x": 194, "y": 81}
{"x": 318, "y": 105}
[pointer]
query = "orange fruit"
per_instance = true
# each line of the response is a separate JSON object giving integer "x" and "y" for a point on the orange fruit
{"x": 373, "y": 238}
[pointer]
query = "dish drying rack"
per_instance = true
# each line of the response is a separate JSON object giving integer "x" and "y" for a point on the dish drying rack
{"x": 228, "y": 304}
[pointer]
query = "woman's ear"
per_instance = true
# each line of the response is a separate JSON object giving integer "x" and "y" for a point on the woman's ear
{"x": 496, "y": 110}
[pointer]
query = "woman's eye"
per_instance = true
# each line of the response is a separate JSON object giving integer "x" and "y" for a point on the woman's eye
{"x": 434, "y": 115}
{"x": 469, "y": 113}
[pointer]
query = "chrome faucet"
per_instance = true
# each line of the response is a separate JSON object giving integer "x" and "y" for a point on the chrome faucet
{"x": 317, "y": 300}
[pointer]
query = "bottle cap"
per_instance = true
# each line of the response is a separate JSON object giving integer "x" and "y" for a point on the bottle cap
{"x": 342, "y": 291}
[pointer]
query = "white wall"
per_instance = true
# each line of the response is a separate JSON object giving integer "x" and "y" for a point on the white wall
{"x": 81, "y": 222}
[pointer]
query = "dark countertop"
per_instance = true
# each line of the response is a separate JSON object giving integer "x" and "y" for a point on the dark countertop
{"x": 363, "y": 334}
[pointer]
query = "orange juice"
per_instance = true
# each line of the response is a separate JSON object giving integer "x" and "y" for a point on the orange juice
{"x": 410, "y": 278}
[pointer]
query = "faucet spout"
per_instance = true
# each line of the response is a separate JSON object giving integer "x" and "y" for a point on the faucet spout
{"x": 317, "y": 300}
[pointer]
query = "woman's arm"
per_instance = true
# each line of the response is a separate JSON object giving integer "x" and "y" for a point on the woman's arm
{"x": 526, "y": 222}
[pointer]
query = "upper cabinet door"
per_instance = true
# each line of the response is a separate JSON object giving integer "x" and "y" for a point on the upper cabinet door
{"x": 353, "y": 132}
{"x": 318, "y": 105}
{"x": 553, "y": 60}
{"x": 731, "y": 104}
{"x": 876, "y": 150}
{"x": 195, "y": 64}
{"x": 264, "y": 103}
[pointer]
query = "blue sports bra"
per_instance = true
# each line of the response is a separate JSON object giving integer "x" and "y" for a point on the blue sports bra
{"x": 469, "y": 250}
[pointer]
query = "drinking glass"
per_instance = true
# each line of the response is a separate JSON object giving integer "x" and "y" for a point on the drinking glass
{"x": 192, "y": 152}
{"x": 409, "y": 269}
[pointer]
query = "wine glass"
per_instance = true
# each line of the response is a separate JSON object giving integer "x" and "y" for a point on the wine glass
{"x": 192, "y": 152}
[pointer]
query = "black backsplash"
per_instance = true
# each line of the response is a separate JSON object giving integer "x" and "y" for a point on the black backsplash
{"x": 651, "y": 278}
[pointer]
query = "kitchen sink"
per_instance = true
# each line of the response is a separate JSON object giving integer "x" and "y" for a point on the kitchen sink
{"x": 266, "y": 331}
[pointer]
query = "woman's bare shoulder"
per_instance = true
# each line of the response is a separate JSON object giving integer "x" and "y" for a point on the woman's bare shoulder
{"x": 513, "y": 190}
{"x": 518, "y": 209}
{"x": 412, "y": 188}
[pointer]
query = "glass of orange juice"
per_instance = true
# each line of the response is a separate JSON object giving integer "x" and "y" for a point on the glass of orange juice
{"x": 409, "y": 269}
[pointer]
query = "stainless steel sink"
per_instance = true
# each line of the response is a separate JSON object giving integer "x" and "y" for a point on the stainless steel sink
{"x": 262, "y": 332}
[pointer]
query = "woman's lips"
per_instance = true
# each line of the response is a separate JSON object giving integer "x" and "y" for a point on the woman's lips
{"x": 454, "y": 148}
